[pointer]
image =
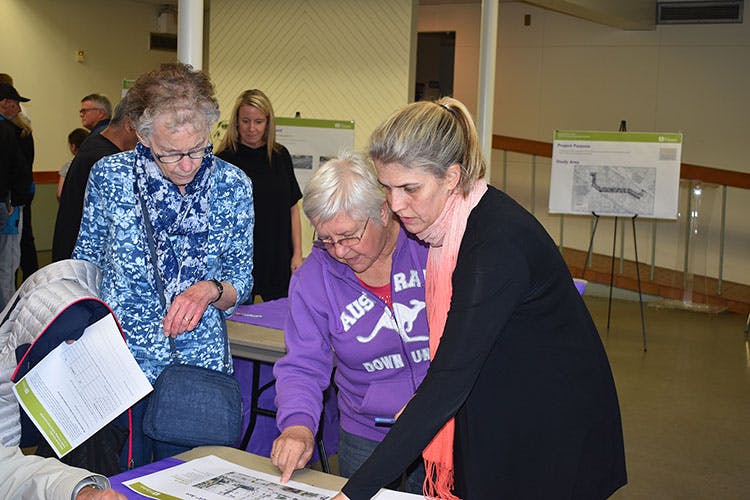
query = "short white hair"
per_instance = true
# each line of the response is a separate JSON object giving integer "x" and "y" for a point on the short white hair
{"x": 344, "y": 184}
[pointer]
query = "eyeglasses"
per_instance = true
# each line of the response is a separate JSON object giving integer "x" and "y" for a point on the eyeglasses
{"x": 193, "y": 154}
{"x": 83, "y": 111}
{"x": 330, "y": 243}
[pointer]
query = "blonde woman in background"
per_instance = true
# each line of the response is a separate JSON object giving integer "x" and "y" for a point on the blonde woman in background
{"x": 250, "y": 144}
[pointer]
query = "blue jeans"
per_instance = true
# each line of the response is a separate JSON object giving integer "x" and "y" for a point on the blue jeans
{"x": 354, "y": 450}
{"x": 10, "y": 251}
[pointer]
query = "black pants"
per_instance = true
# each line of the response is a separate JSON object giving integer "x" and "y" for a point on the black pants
{"x": 29, "y": 262}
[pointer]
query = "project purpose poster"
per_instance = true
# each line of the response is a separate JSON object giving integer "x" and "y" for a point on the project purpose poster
{"x": 615, "y": 173}
{"x": 311, "y": 142}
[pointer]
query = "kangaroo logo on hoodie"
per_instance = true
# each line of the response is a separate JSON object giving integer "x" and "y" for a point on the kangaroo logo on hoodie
{"x": 401, "y": 324}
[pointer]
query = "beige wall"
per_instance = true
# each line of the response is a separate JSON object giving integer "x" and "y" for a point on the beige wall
{"x": 332, "y": 59}
{"x": 562, "y": 72}
{"x": 40, "y": 39}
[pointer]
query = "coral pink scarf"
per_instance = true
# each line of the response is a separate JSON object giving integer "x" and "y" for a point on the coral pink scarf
{"x": 444, "y": 237}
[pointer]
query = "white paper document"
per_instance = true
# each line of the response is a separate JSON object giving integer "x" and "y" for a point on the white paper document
{"x": 213, "y": 478}
{"x": 615, "y": 173}
{"x": 80, "y": 387}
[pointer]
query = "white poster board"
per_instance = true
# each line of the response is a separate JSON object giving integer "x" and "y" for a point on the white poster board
{"x": 615, "y": 173}
{"x": 311, "y": 142}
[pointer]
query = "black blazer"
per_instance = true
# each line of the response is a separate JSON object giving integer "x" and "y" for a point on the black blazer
{"x": 521, "y": 367}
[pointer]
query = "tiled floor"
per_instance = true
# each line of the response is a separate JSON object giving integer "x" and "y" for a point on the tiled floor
{"x": 685, "y": 402}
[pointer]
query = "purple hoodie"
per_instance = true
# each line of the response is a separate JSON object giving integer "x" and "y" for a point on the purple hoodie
{"x": 381, "y": 355}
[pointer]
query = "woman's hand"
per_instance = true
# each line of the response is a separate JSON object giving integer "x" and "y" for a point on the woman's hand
{"x": 188, "y": 307}
{"x": 296, "y": 237}
{"x": 398, "y": 413}
{"x": 296, "y": 262}
{"x": 292, "y": 450}
{"x": 95, "y": 494}
{"x": 340, "y": 496}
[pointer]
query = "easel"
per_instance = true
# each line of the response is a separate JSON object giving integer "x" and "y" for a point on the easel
{"x": 623, "y": 128}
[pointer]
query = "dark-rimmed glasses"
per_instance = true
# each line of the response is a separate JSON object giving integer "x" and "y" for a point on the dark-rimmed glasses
{"x": 193, "y": 154}
{"x": 330, "y": 243}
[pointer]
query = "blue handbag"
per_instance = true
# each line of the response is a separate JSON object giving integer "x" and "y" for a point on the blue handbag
{"x": 194, "y": 406}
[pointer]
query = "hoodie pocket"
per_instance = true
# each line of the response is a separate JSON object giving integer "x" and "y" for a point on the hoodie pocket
{"x": 384, "y": 399}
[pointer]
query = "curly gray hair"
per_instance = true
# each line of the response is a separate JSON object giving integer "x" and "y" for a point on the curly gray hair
{"x": 176, "y": 93}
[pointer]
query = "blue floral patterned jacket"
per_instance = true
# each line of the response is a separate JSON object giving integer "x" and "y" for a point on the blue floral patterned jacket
{"x": 113, "y": 238}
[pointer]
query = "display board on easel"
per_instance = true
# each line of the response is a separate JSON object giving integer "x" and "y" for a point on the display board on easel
{"x": 615, "y": 173}
{"x": 312, "y": 141}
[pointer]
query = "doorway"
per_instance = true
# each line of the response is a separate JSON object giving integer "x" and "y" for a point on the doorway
{"x": 435, "y": 60}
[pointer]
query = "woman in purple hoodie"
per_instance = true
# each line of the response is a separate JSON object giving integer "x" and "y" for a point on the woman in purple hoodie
{"x": 357, "y": 303}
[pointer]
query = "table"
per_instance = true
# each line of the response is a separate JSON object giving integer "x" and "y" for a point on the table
{"x": 243, "y": 458}
{"x": 257, "y": 343}
{"x": 262, "y": 344}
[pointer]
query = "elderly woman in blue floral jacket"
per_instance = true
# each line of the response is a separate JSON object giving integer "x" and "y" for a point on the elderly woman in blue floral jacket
{"x": 201, "y": 212}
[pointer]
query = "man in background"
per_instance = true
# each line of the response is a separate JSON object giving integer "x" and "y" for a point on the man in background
{"x": 15, "y": 184}
{"x": 95, "y": 112}
{"x": 29, "y": 262}
{"x": 118, "y": 136}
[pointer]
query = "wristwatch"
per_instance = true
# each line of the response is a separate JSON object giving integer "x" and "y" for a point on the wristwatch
{"x": 95, "y": 480}
{"x": 219, "y": 287}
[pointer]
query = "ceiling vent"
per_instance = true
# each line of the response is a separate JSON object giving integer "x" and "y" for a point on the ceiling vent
{"x": 163, "y": 41}
{"x": 708, "y": 12}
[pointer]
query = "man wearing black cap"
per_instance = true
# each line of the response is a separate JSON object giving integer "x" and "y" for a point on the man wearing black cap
{"x": 15, "y": 181}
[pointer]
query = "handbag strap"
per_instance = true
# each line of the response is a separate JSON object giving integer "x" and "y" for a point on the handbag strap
{"x": 160, "y": 283}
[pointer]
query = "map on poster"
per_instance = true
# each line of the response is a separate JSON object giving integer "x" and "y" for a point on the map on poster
{"x": 311, "y": 142}
{"x": 615, "y": 173}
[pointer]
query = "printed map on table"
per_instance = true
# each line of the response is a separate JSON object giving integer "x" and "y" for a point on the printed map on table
{"x": 213, "y": 478}
{"x": 242, "y": 486}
